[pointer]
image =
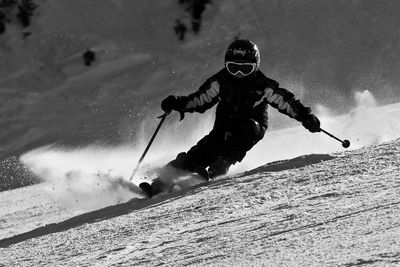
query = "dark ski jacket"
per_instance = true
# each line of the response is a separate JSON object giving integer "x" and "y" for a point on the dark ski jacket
{"x": 242, "y": 99}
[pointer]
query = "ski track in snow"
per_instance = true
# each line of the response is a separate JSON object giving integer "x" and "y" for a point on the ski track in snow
{"x": 338, "y": 212}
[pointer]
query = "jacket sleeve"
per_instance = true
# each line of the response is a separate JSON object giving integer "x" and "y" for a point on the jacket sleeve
{"x": 285, "y": 102}
{"x": 205, "y": 98}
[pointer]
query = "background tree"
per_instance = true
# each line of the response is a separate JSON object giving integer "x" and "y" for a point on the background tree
{"x": 2, "y": 22}
{"x": 180, "y": 29}
{"x": 195, "y": 9}
{"x": 88, "y": 57}
{"x": 22, "y": 10}
{"x": 25, "y": 12}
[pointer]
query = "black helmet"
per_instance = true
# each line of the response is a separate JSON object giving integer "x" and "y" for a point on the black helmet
{"x": 242, "y": 58}
{"x": 243, "y": 50}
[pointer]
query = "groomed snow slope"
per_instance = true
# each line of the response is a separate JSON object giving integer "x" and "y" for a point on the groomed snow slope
{"x": 320, "y": 210}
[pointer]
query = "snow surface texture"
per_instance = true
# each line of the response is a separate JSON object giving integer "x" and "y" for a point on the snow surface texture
{"x": 343, "y": 211}
{"x": 90, "y": 178}
{"x": 50, "y": 97}
{"x": 339, "y": 210}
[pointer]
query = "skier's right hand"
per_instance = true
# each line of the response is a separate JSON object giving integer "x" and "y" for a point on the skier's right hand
{"x": 172, "y": 103}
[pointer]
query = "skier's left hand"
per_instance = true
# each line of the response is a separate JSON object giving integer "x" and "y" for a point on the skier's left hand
{"x": 311, "y": 123}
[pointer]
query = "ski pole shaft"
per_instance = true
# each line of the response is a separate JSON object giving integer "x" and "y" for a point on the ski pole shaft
{"x": 149, "y": 144}
{"x": 345, "y": 143}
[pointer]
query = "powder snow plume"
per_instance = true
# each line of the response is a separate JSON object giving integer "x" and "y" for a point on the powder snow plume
{"x": 86, "y": 178}
{"x": 366, "y": 124}
{"x": 91, "y": 177}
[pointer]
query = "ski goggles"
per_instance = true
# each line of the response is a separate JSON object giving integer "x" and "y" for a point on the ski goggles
{"x": 235, "y": 68}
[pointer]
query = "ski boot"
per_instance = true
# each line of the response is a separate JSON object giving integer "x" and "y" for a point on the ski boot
{"x": 147, "y": 189}
{"x": 219, "y": 167}
{"x": 152, "y": 189}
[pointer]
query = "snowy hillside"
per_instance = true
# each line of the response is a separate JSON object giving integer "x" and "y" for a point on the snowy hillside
{"x": 80, "y": 130}
{"x": 318, "y": 210}
{"x": 48, "y": 96}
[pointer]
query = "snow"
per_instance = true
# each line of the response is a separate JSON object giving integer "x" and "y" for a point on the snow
{"x": 340, "y": 210}
{"x": 48, "y": 92}
{"x": 297, "y": 199}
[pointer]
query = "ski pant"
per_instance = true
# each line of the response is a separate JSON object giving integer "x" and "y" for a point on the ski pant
{"x": 231, "y": 142}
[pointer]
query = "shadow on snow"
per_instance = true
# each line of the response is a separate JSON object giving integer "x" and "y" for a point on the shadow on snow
{"x": 138, "y": 204}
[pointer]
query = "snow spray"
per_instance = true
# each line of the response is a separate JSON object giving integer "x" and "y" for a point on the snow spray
{"x": 85, "y": 178}
{"x": 90, "y": 177}
{"x": 366, "y": 124}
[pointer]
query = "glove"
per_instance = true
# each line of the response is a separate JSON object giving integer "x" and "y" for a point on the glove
{"x": 177, "y": 103}
{"x": 170, "y": 103}
{"x": 311, "y": 123}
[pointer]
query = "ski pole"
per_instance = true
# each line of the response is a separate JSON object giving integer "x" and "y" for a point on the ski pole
{"x": 345, "y": 143}
{"x": 149, "y": 144}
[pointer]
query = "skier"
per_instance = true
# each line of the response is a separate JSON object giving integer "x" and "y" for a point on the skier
{"x": 243, "y": 94}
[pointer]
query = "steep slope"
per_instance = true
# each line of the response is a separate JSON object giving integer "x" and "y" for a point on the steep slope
{"x": 340, "y": 211}
{"x": 50, "y": 96}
